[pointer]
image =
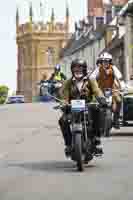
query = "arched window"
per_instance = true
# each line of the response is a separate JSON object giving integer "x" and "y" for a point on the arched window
{"x": 51, "y": 55}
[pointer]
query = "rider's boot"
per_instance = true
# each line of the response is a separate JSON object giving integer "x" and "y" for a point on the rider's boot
{"x": 68, "y": 150}
{"x": 98, "y": 150}
{"x": 88, "y": 157}
{"x": 66, "y": 132}
{"x": 97, "y": 141}
{"x": 116, "y": 123}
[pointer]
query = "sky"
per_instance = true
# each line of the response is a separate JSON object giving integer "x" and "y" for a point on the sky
{"x": 8, "y": 48}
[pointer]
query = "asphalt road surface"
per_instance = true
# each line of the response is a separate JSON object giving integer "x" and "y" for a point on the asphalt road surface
{"x": 33, "y": 165}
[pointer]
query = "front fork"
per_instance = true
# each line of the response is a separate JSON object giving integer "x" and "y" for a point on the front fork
{"x": 80, "y": 126}
{"x": 76, "y": 129}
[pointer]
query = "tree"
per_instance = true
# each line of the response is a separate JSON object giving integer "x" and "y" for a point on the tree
{"x": 3, "y": 93}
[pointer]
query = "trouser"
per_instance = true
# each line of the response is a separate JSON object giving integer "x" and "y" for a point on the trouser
{"x": 65, "y": 129}
{"x": 97, "y": 117}
{"x": 117, "y": 113}
{"x": 117, "y": 100}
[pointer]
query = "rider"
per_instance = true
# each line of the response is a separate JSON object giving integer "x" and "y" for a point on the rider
{"x": 108, "y": 76}
{"x": 57, "y": 75}
{"x": 80, "y": 87}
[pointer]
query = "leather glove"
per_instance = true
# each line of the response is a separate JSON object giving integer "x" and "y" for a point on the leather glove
{"x": 102, "y": 101}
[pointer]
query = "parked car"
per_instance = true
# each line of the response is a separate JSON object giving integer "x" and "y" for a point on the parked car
{"x": 127, "y": 109}
{"x": 15, "y": 99}
{"x": 127, "y": 105}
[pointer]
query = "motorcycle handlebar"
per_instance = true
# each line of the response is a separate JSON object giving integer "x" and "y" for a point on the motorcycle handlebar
{"x": 63, "y": 106}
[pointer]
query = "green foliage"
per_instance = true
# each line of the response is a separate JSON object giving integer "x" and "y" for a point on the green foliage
{"x": 3, "y": 93}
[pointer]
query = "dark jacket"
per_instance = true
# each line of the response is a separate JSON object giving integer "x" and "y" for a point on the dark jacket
{"x": 88, "y": 90}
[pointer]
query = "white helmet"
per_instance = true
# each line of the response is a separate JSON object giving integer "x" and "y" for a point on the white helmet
{"x": 106, "y": 56}
{"x": 98, "y": 61}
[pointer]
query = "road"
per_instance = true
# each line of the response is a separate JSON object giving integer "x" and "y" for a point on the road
{"x": 33, "y": 165}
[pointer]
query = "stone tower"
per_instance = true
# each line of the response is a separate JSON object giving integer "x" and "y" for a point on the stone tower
{"x": 38, "y": 46}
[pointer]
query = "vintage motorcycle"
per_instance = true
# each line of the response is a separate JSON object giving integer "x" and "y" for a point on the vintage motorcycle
{"x": 50, "y": 86}
{"x": 44, "y": 88}
{"x": 83, "y": 140}
{"x": 108, "y": 112}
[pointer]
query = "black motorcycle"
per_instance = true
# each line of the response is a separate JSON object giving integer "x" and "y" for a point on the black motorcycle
{"x": 50, "y": 87}
{"x": 81, "y": 124}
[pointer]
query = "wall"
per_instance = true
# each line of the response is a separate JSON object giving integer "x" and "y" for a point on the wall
{"x": 129, "y": 47}
{"x": 89, "y": 53}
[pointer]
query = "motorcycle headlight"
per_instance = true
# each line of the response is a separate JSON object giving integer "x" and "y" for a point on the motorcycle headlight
{"x": 45, "y": 84}
{"x": 58, "y": 85}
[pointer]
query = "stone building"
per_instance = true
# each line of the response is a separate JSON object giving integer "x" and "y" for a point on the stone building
{"x": 101, "y": 33}
{"x": 84, "y": 45}
{"x": 120, "y": 44}
{"x": 39, "y": 47}
{"x": 125, "y": 19}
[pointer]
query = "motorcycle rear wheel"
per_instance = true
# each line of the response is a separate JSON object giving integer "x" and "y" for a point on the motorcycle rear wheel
{"x": 108, "y": 123}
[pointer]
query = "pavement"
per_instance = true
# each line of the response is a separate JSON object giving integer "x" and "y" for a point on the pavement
{"x": 33, "y": 165}
{"x": 123, "y": 132}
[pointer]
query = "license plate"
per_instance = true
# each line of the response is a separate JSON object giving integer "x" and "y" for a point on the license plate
{"x": 108, "y": 93}
{"x": 78, "y": 105}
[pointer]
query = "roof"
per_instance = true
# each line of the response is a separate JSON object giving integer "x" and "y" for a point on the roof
{"x": 84, "y": 40}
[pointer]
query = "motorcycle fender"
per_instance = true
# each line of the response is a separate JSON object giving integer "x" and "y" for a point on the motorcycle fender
{"x": 77, "y": 128}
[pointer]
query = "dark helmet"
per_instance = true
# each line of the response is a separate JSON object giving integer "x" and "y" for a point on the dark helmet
{"x": 81, "y": 64}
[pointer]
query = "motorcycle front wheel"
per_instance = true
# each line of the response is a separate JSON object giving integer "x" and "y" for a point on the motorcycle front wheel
{"x": 107, "y": 132}
{"x": 78, "y": 152}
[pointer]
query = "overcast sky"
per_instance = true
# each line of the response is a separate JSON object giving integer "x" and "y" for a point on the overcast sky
{"x": 8, "y": 52}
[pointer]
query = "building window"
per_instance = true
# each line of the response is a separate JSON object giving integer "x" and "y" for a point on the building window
{"x": 50, "y": 55}
{"x": 108, "y": 16}
{"x": 94, "y": 59}
{"x": 99, "y": 20}
{"x": 99, "y": 45}
{"x": 117, "y": 9}
{"x": 90, "y": 19}
{"x": 21, "y": 56}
